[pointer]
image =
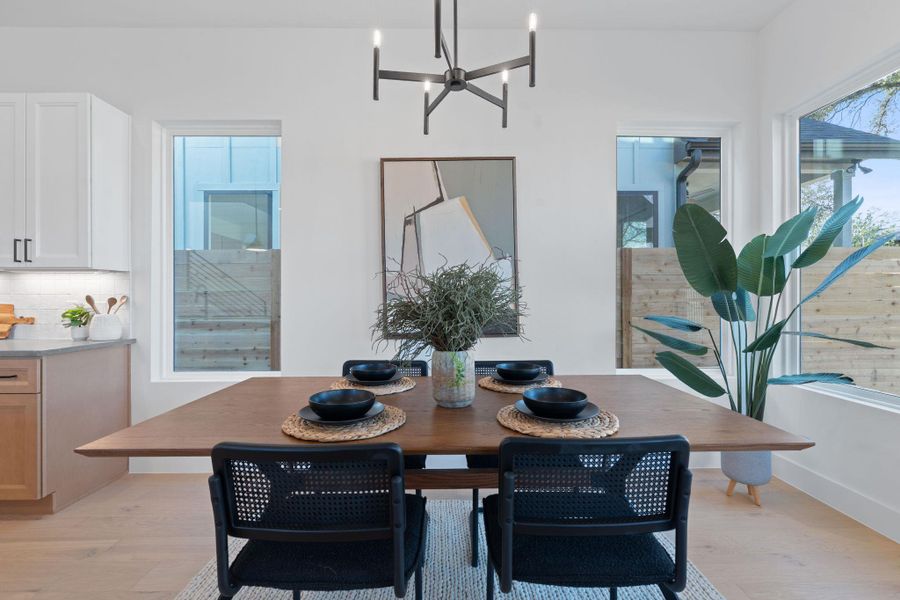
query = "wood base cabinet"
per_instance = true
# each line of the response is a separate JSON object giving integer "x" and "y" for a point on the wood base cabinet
{"x": 48, "y": 407}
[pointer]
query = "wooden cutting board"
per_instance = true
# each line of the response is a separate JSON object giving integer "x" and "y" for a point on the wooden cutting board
{"x": 8, "y": 319}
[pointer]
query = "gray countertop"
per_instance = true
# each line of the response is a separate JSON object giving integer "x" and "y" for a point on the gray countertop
{"x": 38, "y": 348}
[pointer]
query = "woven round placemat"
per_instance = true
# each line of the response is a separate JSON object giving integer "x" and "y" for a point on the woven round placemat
{"x": 389, "y": 420}
{"x": 489, "y": 383}
{"x": 603, "y": 425}
{"x": 401, "y": 385}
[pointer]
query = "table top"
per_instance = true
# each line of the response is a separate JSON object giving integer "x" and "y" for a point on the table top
{"x": 252, "y": 412}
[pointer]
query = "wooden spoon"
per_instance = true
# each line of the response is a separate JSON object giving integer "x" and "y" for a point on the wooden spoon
{"x": 110, "y": 302}
{"x": 90, "y": 300}
{"x": 121, "y": 303}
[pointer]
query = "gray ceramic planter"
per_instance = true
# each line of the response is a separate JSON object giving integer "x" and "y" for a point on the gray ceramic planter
{"x": 453, "y": 378}
{"x": 750, "y": 468}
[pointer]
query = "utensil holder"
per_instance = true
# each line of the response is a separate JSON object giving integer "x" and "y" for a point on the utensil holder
{"x": 105, "y": 328}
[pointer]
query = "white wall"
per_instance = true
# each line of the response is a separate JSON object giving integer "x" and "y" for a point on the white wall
{"x": 318, "y": 83}
{"x": 817, "y": 48}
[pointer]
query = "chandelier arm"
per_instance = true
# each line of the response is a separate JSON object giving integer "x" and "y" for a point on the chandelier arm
{"x": 455, "y": 37}
{"x": 485, "y": 95}
{"x": 438, "y": 36}
{"x": 410, "y": 76}
{"x": 446, "y": 52}
{"x": 438, "y": 100}
{"x": 509, "y": 65}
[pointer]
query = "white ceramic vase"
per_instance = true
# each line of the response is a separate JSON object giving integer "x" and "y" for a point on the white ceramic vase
{"x": 453, "y": 378}
{"x": 105, "y": 328}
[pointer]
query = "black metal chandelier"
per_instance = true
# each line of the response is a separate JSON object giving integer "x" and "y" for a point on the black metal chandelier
{"x": 454, "y": 78}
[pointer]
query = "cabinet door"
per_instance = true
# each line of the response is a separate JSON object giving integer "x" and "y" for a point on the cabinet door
{"x": 58, "y": 181}
{"x": 12, "y": 179}
{"x": 20, "y": 446}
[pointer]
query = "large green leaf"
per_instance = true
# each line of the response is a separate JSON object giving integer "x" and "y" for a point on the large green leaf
{"x": 829, "y": 232}
{"x": 674, "y": 342}
{"x": 690, "y": 375}
{"x": 802, "y": 378}
{"x": 734, "y": 306}
{"x": 679, "y": 323}
{"x": 707, "y": 258}
{"x": 759, "y": 275}
{"x": 767, "y": 338}
{"x": 822, "y": 336}
{"x": 847, "y": 264}
{"x": 791, "y": 234}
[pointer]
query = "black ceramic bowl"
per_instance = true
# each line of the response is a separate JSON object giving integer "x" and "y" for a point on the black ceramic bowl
{"x": 340, "y": 405}
{"x": 378, "y": 371}
{"x": 518, "y": 371}
{"x": 555, "y": 403}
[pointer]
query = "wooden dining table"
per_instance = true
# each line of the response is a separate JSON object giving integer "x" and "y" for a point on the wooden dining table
{"x": 252, "y": 412}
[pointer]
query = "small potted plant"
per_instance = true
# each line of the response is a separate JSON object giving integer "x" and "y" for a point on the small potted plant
{"x": 77, "y": 319}
{"x": 447, "y": 311}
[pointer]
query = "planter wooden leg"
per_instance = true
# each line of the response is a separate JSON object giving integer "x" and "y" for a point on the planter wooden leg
{"x": 753, "y": 491}
{"x": 731, "y": 485}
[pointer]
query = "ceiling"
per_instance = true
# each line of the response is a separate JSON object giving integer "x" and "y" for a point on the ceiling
{"x": 710, "y": 15}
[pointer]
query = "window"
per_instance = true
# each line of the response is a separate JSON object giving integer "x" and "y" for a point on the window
{"x": 847, "y": 148}
{"x": 226, "y": 252}
{"x": 656, "y": 175}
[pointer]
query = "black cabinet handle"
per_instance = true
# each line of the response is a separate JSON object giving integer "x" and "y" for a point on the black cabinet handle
{"x": 26, "y": 249}
{"x": 8, "y": 376}
{"x": 16, "y": 243}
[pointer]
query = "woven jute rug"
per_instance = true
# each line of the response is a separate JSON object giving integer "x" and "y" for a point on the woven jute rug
{"x": 489, "y": 383}
{"x": 448, "y": 575}
{"x": 300, "y": 428}
{"x": 603, "y": 425}
{"x": 401, "y": 385}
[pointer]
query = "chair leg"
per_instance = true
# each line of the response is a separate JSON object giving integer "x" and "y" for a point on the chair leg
{"x": 473, "y": 525}
{"x": 754, "y": 491}
{"x": 667, "y": 593}
{"x": 613, "y": 593}
{"x": 419, "y": 581}
{"x": 731, "y": 485}
{"x": 490, "y": 579}
{"x": 296, "y": 594}
{"x": 419, "y": 493}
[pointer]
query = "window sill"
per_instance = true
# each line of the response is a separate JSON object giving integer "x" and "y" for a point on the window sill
{"x": 858, "y": 395}
{"x": 213, "y": 376}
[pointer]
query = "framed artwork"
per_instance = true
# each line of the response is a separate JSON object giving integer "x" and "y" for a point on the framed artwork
{"x": 448, "y": 210}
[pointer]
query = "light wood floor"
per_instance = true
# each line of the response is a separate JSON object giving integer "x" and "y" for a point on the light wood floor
{"x": 145, "y": 536}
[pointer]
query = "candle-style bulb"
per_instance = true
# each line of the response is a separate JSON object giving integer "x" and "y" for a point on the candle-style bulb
{"x": 427, "y": 86}
{"x": 505, "y": 76}
{"x": 532, "y": 22}
{"x": 376, "y": 38}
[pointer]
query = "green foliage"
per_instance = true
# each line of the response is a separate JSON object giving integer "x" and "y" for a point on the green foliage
{"x": 678, "y": 323}
{"x": 673, "y": 342}
{"x": 822, "y": 336}
{"x": 447, "y": 309}
{"x": 77, "y": 316}
{"x": 709, "y": 265}
{"x": 690, "y": 375}
{"x": 706, "y": 257}
{"x": 757, "y": 274}
{"x": 734, "y": 306}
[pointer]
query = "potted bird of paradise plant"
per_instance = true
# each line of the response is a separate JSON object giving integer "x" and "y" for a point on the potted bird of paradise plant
{"x": 747, "y": 291}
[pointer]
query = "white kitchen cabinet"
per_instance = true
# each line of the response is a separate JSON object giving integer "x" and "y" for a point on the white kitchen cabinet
{"x": 71, "y": 200}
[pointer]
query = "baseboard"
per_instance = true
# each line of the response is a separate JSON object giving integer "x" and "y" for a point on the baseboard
{"x": 871, "y": 513}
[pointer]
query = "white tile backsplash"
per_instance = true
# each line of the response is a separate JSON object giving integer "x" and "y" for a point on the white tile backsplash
{"x": 46, "y": 295}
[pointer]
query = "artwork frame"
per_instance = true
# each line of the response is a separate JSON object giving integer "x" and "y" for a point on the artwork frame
{"x": 389, "y": 228}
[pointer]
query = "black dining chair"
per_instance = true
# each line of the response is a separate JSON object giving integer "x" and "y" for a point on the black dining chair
{"x": 584, "y": 513}
{"x": 489, "y": 461}
{"x": 412, "y": 368}
{"x": 316, "y": 519}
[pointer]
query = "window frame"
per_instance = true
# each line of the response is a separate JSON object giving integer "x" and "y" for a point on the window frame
{"x": 786, "y": 204}
{"x": 725, "y": 132}
{"x": 162, "y": 282}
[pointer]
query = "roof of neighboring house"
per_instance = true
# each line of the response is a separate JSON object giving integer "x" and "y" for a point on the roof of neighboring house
{"x": 820, "y": 140}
